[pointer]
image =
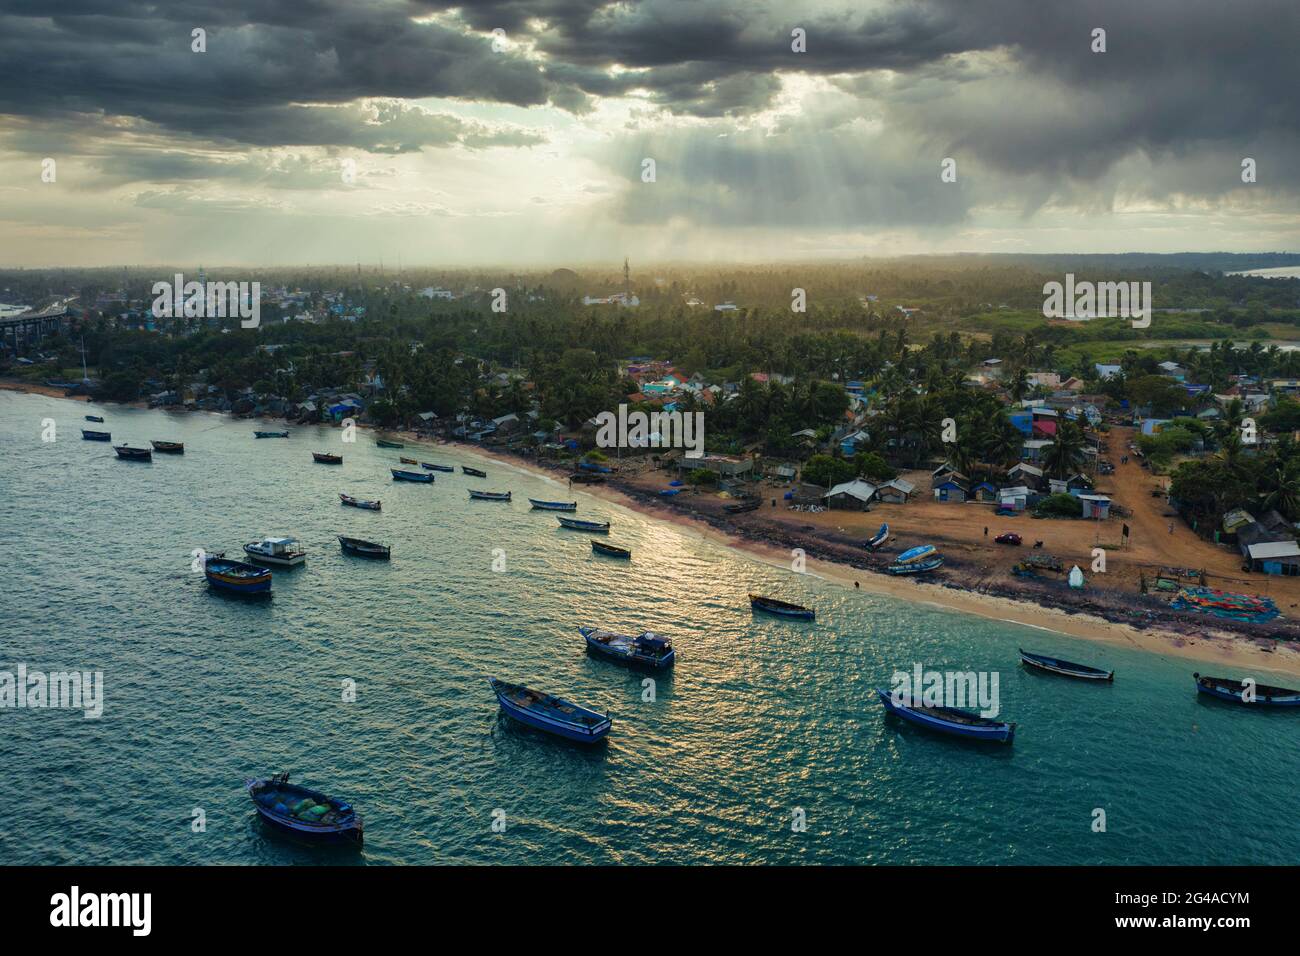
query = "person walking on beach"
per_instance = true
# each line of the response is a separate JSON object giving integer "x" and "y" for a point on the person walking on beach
{"x": 1171, "y": 527}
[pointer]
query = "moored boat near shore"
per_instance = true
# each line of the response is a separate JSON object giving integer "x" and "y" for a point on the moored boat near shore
{"x": 551, "y": 714}
{"x": 489, "y": 495}
{"x": 553, "y": 505}
{"x": 916, "y": 567}
{"x": 237, "y": 577}
{"x": 950, "y": 720}
{"x": 365, "y": 549}
{"x": 303, "y": 812}
{"x": 577, "y": 524}
{"x": 781, "y": 608}
{"x": 133, "y": 454}
{"x": 1246, "y": 693}
{"x": 613, "y": 551}
{"x": 408, "y": 461}
{"x": 385, "y": 443}
{"x": 270, "y": 434}
{"x": 430, "y": 466}
{"x": 473, "y": 471}
{"x": 421, "y": 477}
{"x": 326, "y": 459}
{"x": 1054, "y": 665}
{"x": 359, "y": 502}
{"x": 283, "y": 552}
{"x": 647, "y": 650}
{"x": 89, "y": 435}
{"x": 168, "y": 447}
{"x": 94, "y": 418}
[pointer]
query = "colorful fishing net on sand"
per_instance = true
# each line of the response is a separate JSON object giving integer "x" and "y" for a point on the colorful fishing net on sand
{"x": 1237, "y": 607}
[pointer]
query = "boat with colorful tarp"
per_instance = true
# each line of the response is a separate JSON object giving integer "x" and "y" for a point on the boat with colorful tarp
{"x": 323, "y": 458}
{"x": 877, "y": 539}
{"x": 647, "y": 650}
{"x": 270, "y": 434}
{"x": 1247, "y": 692}
{"x": 430, "y": 466}
{"x": 133, "y": 454}
{"x": 781, "y": 608}
{"x": 420, "y": 477}
{"x": 553, "y": 505}
{"x": 168, "y": 447}
{"x": 303, "y": 812}
{"x": 489, "y": 495}
{"x": 949, "y": 720}
{"x": 551, "y": 714}
{"x": 577, "y": 524}
{"x": 365, "y": 549}
{"x": 1054, "y": 665}
{"x": 237, "y": 577}
{"x": 613, "y": 551}
{"x": 473, "y": 471}
{"x": 282, "y": 552}
{"x": 89, "y": 435}
{"x": 359, "y": 502}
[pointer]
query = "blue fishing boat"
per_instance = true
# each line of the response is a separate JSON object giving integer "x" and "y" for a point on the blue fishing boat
{"x": 270, "y": 434}
{"x": 647, "y": 650}
{"x": 916, "y": 555}
{"x": 554, "y": 715}
{"x": 94, "y": 418}
{"x": 577, "y": 524}
{"x": 613, "y": 551}
{"x": 88, "y": 435}
{"x": 916, "y": 567}
{"x": 950, "y": 720}
{"x": 781, "y": 608}
{"x": 553, "y": 505}
{"x": 422, "y": 477}
{"x": 598, "y": 469}
{"x": 430, "y": 466}
{"x": 1054, "y": 665}
{"x": 670, "y": 492}
{"x": 489, "y": 495}
{"x": 879, "y": 538}
{"x": 236, "y": 576}
{"x": 133, "y": 454}
{"x": 307, "y": 813}
{"x": 1226, "y": 688}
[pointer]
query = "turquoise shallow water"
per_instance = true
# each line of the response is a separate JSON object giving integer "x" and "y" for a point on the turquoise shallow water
{"x": 761, "y": 716}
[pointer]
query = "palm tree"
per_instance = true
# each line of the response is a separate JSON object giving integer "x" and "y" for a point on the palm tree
{"x": 1280, "y": 484}
{"x": 1066, "y": 453}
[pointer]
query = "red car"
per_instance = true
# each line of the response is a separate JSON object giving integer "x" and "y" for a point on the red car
{"x": 1008, "y": 537}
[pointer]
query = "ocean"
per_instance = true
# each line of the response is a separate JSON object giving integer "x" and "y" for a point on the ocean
{"x": 763, "y": 725}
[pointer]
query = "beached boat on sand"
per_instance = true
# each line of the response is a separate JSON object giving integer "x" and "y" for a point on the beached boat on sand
{"x": 1054, "y": 665}
{"x": 781, "y": 608}
{"x": 359, "y": 502}
{"x": 950, "y": 720}
{"x": 303, "y": 812}
{"x": 1240, "y": 692}
{"x": 551, "y": 714}
{"x": 646, "y": 650}
{"x": 877, "y": 539}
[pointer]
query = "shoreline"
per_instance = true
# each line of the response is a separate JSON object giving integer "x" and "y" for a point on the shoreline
{"x": 1209, "y": 644}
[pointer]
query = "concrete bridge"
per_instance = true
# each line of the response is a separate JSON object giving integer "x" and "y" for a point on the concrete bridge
{"x": 21, "y": 332}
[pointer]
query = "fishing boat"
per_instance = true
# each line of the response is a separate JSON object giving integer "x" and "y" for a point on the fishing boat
{"x": 385, "y": 443}
{"x": 1054, "y": 665}
{"x": 917, "y": 555}
{"x": 877, "y": 539}
{"x": 359, "y": 502}
{"x": 916, "y": 567}
{"x": 94, "y": 418}
{"x": 430, "y": 466}
{"x": 365, "y": 549}
{"x": 283, "y": 552}
{"x": 648, "y": 650}
{"x": 236, "y": 576}
{"x": 168, "y": 447}
{"x": 740, "y": 507}
{"x": 554, "y": 715}
{"x": 1226, "y": 688}
{"x": 950, "y": 720}
{"x": 270, "y": 434}
{"x": 582, "y": 478}
{"x": 423, "y": 477}
{"x": 88, "y": 435}
{"x": 408, "y": 461}
{"x": 489, "y": 495}
{"x": 306, "y": 813}
{"x": 781, "y": 608}
{"x": 322, "y": 458}
{"x": 553, "y": 505}
{"x": 577, "y": 524}
{"x": 473, "y": 471}
{"x": 593, "y": 466}
{"x": 133, "y": 454}
{"x": 600, "y": 547}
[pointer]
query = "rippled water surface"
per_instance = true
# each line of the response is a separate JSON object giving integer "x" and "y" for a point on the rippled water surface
{"x": 760, "y": 717}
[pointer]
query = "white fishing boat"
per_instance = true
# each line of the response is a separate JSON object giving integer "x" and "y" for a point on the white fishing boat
{"x": 283, "y": 552}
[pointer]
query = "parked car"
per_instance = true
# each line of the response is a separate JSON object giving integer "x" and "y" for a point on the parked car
{"x": 1008, "y": 537}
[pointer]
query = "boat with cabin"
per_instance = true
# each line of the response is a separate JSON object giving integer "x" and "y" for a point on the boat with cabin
{"x": 365, "y": 549}
{"x": 553, "y": 715}
{"x": 305, "y": 813}
{"x": 282, "y": 552}
{"x": 647, "y": 650}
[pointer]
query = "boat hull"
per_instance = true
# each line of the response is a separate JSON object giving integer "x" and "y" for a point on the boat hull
{"x": 767, "y": 606}
{"x": 430, "y": 467}
{"x": 553, "y": 505}
{"x": 592, "y": 734}
{"x": 921, "y": 568}
{"x": 418, "y": 477}
{"x": 1232, "y": 691}
{"x": 133, "y": 454}
{"x": 473, "y": 471}
{"x": 595, "y": 527}
{"x": 991, "y": 731}
{"x": 610, "y": 551}
{"x": 96, "y": 436}
{"x": 626, "y": 655}
{"x": 489, "y": 496}
{"x": 1052, "y": 665}
{"x": 359, "y": 503}
{"x": 168, "y": 447}
{"x": 365, "y": 549}
{"x": 220, "y": 576}
{"x": 350, "y": 831}
{"x": 321, "y": 459}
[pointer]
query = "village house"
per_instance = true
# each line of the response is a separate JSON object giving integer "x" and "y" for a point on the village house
{"x": 896, "y": 492}
{"x": 853, "y": 495}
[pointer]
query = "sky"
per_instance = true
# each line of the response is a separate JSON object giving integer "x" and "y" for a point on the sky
{"x": 518, "y": 132}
